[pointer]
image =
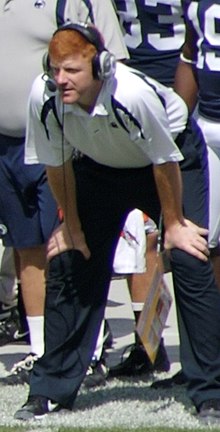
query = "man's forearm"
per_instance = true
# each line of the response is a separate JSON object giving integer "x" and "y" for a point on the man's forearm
{"x": 169, "y": 186}
{"x": 62, "y": 183}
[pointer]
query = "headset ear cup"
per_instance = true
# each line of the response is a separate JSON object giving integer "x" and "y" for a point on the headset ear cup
{"x": 46, "y": 63}
{"x": 50, "y": 83}
{"x": 103, "y": 65}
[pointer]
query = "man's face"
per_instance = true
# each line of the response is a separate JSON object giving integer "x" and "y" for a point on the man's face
{"x": 74, "y": 79}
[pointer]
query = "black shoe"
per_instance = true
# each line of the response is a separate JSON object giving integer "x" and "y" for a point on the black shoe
{"x": 11, "y": 330}
{"x": 35, "y": 408}
{"x": 138, "y": 362}
{"x": 210, "y": 409}
{"x": 96, "y": 374}
{"x": 20, "y": 373}
{"x": 178, "y": 379}
{"x": 5, "y": 311}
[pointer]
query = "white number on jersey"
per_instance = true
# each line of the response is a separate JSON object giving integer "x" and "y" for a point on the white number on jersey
{"x": 209, "y": 38}
{"x": 171, "y": 17}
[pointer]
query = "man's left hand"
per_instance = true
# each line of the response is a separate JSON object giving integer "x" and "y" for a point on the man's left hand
{"x": 188, "y": 237}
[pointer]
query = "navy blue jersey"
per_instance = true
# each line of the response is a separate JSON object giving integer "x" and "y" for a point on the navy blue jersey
{"x": 154, "y": 34}
{"x": 205, "y": 18}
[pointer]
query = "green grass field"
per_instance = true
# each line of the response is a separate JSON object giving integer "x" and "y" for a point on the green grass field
{"x": 72, "y": 429}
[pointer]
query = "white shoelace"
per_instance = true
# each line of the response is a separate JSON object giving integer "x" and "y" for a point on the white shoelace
{"x": 26, "y": 363}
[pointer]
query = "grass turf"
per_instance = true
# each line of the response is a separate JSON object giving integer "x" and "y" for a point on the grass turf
{"x": 72, "y": 429}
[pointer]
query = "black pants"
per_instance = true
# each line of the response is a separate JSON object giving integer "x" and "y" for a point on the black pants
{"x": 77, "y": 289}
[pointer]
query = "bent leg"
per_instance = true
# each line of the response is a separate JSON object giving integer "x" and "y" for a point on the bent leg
{"x": 197, "y": 297}
{"x": 77, "y": 289}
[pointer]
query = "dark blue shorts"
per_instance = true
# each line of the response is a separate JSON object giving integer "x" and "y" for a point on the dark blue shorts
{"x": 27, "y": 207}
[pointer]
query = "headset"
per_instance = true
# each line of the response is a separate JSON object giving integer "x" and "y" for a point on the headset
{"x": 103, "y": 63}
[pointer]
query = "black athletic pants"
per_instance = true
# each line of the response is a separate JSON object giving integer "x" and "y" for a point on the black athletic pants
{"x": 77, "y": 289}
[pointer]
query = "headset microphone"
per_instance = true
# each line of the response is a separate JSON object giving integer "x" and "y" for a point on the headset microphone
{"x": 50, "y": 83}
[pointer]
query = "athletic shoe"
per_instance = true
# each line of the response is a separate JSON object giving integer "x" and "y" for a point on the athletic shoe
{"x": 178, "y": 379}
{"x": 20, "y": 373}
{"x": 209, "y": 410}
{"x": 11, "y": 330}
{"x": 138, "y": 362}
{"x": 36, "y": 407}
{"x": 96, "y": 374}
{"x": 5, "y": 311}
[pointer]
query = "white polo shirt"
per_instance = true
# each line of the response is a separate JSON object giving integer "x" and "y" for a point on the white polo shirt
{"x": 128, "y": 127}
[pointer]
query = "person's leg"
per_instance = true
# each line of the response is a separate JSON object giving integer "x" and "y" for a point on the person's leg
{"x": 211, "y": 136}
{"x": 77, "y": 289}
{"x": 32, "y": 277}
{"x": 30, "y": 216}
{"x": 197, "y": 296}
{"x": 138, "y": 362}
{"x": 215, "y": 259}
{"x": 214, "y": 210}
{"x": 76, "y": 296}
{"x": 8, "y": 280}
{"x": 139, "y": 284}
{"x": 210, "y": 133}
{"x": 14, "y": 327}
{"x": 97, "y": 371}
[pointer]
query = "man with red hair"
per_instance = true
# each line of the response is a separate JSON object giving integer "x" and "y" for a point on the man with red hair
{"x": 124, "y": 124}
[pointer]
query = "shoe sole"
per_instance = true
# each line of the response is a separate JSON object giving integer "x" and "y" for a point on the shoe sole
{"x": 28, "y": 415}
{"x": 209, "y": 414}
{"x": 24, "y": 415}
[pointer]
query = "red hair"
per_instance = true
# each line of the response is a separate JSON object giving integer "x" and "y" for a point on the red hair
{"x": 70, "y": 42}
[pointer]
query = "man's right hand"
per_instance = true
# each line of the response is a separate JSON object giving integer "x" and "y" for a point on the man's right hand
{"x": 61, "y": 241}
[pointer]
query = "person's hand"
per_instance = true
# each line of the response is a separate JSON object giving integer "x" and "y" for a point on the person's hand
{"x": 61, "y": 241}
{"x": 189, "y": 237}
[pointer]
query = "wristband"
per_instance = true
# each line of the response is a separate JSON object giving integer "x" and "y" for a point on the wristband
{"x": 186, "y": 60}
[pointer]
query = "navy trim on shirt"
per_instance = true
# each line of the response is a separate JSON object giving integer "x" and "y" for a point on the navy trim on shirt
{"x": 144, "y": 78}
{"x": 117, "y": 107}
{"x": 60, "y": 9}
{"x": 48, "y": 106}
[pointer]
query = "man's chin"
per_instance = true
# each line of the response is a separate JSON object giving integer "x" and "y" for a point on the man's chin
{"x": 68, "y": 98}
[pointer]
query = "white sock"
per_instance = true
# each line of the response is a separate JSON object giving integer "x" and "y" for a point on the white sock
{"x": 137, "y": 307}
{"x": 36, "y": 329}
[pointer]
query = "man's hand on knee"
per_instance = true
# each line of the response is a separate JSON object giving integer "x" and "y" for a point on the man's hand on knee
{"x": 188, "y": 237}
{"x": 61, "y": 241}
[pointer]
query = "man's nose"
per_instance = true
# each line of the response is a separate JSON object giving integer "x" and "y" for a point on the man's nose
{"x": 60, "y": 77}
